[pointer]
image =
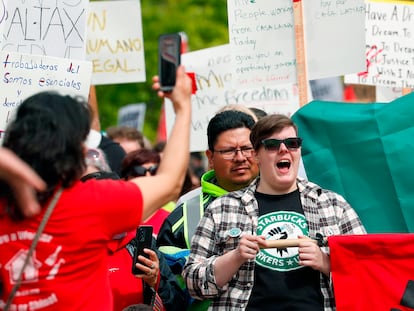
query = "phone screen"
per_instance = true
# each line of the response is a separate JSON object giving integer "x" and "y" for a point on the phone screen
{"x": 143, "y": 240}
{"x": 169, "y": 59}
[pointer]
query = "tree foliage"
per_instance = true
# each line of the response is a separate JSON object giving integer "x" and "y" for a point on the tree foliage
{"x": 204, "y": 22}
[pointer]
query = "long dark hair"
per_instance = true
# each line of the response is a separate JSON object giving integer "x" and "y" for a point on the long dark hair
{"x": 48, "y": 132}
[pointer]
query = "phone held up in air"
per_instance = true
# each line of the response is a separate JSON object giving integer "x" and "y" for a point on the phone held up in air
{"x": 169, "y": 58}
{"x": 143, "y": 239}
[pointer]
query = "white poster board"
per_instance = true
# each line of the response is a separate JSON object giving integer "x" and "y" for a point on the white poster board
{"x": 48, "y": 27}
{"x": 3, "y": 15}
{"x": 23, "y": 75}
{"x": 261, "y": 35}
{"x": 214, "y": 90}
{"x": 132, "y": 115}
{"x": 387, "y": 94}
{"x": 262, "y": 39}
{"x": 389, "y": 45}
{"x": 334, "y": 37}
{"x": 115, "y": 43}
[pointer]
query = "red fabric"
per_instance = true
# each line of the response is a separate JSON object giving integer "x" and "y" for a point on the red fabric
{"x": 69, "y": 270}
{"x": 349, "y": 93}
{"x": 126, "y": 288}
{"x": 192, "y": 76}
{"x": 373, "y": 272}
{"x": 162, "y": 128}
{"x": 156, "y": 220}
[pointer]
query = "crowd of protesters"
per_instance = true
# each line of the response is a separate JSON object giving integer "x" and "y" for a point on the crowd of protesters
{"x": 211, "y": 213}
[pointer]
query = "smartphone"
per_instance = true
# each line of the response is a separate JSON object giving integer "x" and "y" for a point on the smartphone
{"x": 143, "y": 239}
{"x": 169, "y": 58}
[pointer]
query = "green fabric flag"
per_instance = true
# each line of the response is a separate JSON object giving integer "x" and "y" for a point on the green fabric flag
{"x": 365, "y": 152}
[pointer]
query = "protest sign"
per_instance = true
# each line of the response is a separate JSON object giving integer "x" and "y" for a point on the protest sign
{"x": 132, "y": 115}
{"x": 49, "y": 27}
{"x": 261, "y": 35}
{"x": 385, "y": 94}
{"x": 262, "y": 39}
{"x": 23, "y": 75}
{"x": 389, "y": 45}
{"x": 3, "y": 15}
{"x": 213, "y": 73}
{"x": 115, "y": 43}
{"x": 333, "y": 49}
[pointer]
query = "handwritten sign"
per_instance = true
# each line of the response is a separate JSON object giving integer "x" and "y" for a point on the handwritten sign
{"x": 262, "y": 39}
{"x": 115, "y": 44}
{"x": 48, "y": 27}
{"x": 132, "y": 115}
{"x": 23, "y": 75}
{"x": 389, "y": 46}
{"x": 261, "y": 35}
{"x": 213, "y": 71}
{"x": 335, "y": 40}
{"x": 3, "y": 14}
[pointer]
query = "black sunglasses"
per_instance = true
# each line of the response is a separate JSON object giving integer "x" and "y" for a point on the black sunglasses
{"x": 139, "y": 171}
{"x": 273, "y": 144}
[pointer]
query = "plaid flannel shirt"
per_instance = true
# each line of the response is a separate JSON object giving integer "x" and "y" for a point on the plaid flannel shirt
{"x": 326, "y": 212}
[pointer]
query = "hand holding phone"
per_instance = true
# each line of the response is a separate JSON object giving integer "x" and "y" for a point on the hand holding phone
{"x": 169, "y": 58}
{"x": 143, "y": 238}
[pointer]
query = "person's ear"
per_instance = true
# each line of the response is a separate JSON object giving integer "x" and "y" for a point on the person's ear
{"x": 209, "y": 155}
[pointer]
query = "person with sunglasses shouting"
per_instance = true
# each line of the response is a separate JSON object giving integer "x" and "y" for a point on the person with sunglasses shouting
{"x": 231, "y": 260}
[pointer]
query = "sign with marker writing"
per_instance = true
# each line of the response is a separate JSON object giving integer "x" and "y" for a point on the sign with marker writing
{"x": 335, "y": 37}
{"x": 262, "y": 39}
{"x": 261, "y": 35}
{"x": 23, "y": 75}
{"x": 213, "y": 71}
{"x": 115, "y": 43}
{"x": 49, "y": 27}
{"x": 389, "y": 46}
{"x": 3, "y": 15}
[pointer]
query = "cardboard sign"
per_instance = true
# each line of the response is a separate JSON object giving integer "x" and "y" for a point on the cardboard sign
{"x": 261, "y": 35}
{"x": 213, "y": 72}
{"x": 333, "y": 49}
{"x": 389, "y": 45}
{"x": 49, "y": 27}
{"x": 23, "y": 75}
{"x": 115, "y": 43}
{"x": 262, "y": 40}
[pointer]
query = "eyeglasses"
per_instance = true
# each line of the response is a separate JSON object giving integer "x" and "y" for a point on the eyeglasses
{"x": 229, "y": 154}
{"x": 272, "y": 144}
{"x": 139, "y": 171}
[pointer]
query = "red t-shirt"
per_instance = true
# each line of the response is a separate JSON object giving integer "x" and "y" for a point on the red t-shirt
{"x": 69, "y": 269}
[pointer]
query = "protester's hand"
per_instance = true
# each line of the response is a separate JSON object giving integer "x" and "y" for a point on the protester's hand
{"x": 311, "y": 255}
{"x": 150, "y": 266}
{"x": 249, "y": 246}
{"x": 22, "y": 180}
{"x": 181, "y": 93}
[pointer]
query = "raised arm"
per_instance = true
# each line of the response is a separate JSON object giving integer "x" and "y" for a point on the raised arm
{"x": 166, "y": 184}
{"x": 23, "y": 181}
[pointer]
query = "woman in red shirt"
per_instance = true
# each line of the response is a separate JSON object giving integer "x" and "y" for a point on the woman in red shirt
{"x": 68, "y": 270}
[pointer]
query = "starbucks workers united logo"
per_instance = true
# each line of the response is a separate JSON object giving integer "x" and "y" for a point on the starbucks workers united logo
{"x": 281, "y": 226}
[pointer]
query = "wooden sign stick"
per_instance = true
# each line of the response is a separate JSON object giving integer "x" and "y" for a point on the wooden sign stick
{"x": 283, "y": 243}
{"x": 301, "y": 71}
